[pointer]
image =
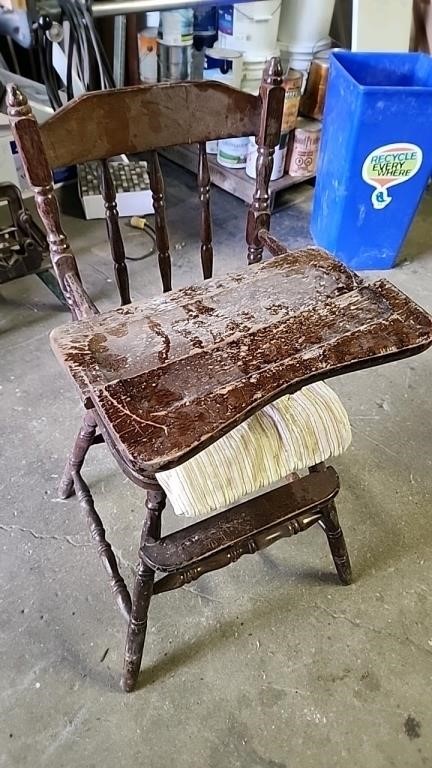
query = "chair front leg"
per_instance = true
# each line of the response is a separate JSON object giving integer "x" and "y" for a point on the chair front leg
{"x": 75, "y": 461}
{"x": 142, "y": 593}
{"x": 331, "y": 527}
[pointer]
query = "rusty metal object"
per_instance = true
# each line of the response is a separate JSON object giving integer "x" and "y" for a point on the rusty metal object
{"x": 313, "y": 99}
{"x": 292, "y": 85}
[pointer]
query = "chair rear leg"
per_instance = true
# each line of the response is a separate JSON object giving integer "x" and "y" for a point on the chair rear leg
{"x": 75, "y": 461}
{"x": 331, "y": 527}
{"x": 142, "y": 593}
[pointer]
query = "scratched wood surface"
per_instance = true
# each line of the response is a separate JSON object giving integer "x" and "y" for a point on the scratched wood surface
{"x": 170, "y": 375}
{"x": 160, "y": 115}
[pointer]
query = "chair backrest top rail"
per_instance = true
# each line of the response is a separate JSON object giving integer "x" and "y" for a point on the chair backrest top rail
{"x": 136, "y": 119}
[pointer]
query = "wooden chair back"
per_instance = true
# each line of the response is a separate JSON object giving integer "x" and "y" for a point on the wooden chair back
{"x": 99, "y": 125}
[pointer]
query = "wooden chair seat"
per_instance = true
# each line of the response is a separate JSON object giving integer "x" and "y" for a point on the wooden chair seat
{"x": 171, "y": 375}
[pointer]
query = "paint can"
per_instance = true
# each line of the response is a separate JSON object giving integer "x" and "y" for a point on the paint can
{"x": 293, "y": 85}
{"x": 174, "y": 62}
{"x": 313, "y": 99}
{"x": 278, "y": 159}
{"x": 303, "y": 147}
{"x": 232, "y": 153}
{"x": 176, "y": 27}
{"x": 212, "y": 147}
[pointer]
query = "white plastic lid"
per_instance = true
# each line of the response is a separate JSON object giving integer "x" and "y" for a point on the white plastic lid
{"x": 152, "y": 19}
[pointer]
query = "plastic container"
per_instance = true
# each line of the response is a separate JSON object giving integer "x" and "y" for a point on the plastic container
{"x": 205, "y": 27}
{"x": 176, "y": 27}
{"x": 174, "y": 62}
{"x": 253, "y": 69}
{"x": 375, "y": 157}
{"x": 304, "y": 22}
{"x": 212, "y": 147}
{"x": 223, "y": 65}
{"x": 147, "y": 52}
{"x": 300, "y": 56}
{"x": 249, "y": 27}
{"x": 232, "y": 153}
{"x": 205, "y": 20}
{"x": 278, "y": 160}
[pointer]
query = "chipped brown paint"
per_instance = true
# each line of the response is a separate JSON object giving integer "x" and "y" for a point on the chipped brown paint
{"x": 167, "y": 388}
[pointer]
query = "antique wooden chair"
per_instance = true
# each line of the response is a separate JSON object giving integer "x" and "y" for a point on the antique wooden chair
{"x": 215, "y": 391}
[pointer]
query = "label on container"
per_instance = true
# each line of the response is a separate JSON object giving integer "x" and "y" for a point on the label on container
{"x": 226, "y": 20}
{"x": 389, "y": 165}
{"x": 304, "y": 151}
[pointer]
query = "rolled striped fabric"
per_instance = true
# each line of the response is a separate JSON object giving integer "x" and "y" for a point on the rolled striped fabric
{"x": 291, "y": 434}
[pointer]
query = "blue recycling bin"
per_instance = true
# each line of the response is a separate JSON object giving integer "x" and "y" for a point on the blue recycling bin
{"x": 375, "y": 155}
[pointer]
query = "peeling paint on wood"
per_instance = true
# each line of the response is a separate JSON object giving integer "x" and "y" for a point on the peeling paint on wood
{"x": 173, "y": 374}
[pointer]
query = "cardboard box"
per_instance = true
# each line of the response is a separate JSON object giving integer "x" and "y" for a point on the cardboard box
{"x": 133, "y": 194}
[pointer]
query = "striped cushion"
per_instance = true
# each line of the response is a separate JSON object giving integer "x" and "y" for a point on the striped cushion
{"x": 291, "y": 434}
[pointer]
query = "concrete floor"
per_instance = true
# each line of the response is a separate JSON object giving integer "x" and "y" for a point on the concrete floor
{"x": 266, "y": 664}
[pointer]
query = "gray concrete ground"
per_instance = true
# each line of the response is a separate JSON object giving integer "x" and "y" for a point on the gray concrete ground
{"x": 266, "y": 664}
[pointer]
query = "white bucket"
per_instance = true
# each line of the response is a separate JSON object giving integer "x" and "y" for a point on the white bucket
{"x": 177, "y": 26}
{"x": 212, "y": 147}
{"x": 232, "y": 153}
{"x": 253, "y": 68}
{"x": 303, "y": 22}
{"x": 249, "y": 27}
{"x": 223, "y": 65}
{"x": 278, "y": 159}
{"x": 300, "y": 56}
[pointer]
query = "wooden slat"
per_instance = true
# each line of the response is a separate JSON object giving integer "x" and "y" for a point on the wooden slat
{"x": 226, "y": 528}
{"x": 272, "y": 96}
{"x": 171, "y": 375}
{"x": 161, "y": 229}
{"x": 206, "y": 225}
{"x": 140, "y": 118}
{"x": 114, "y": 234}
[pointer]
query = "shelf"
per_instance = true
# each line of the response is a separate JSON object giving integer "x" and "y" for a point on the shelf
{"x": 234, "y": 181}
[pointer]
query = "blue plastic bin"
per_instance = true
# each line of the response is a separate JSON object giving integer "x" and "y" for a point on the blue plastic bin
{"x": 375, "y": 155}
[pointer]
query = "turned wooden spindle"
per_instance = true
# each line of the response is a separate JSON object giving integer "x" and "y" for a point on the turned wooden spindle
{"x": 28, "y": 139}
{"x": 107, "y": 556}
{"x": 206, "y": 226}
{"x": 113, "y": 229}
{"x": 272, "y": 97}
{"x": 142, "y": 592}
{"x": 162, "y": 240}
{"x": 330, "y": 524}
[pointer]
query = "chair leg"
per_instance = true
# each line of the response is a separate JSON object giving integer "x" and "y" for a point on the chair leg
{"x": 105, "y": 552}
{"x": 142, "y": 593}
{"x": 75, "y": 461}
{"x": 331, "y": 527}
